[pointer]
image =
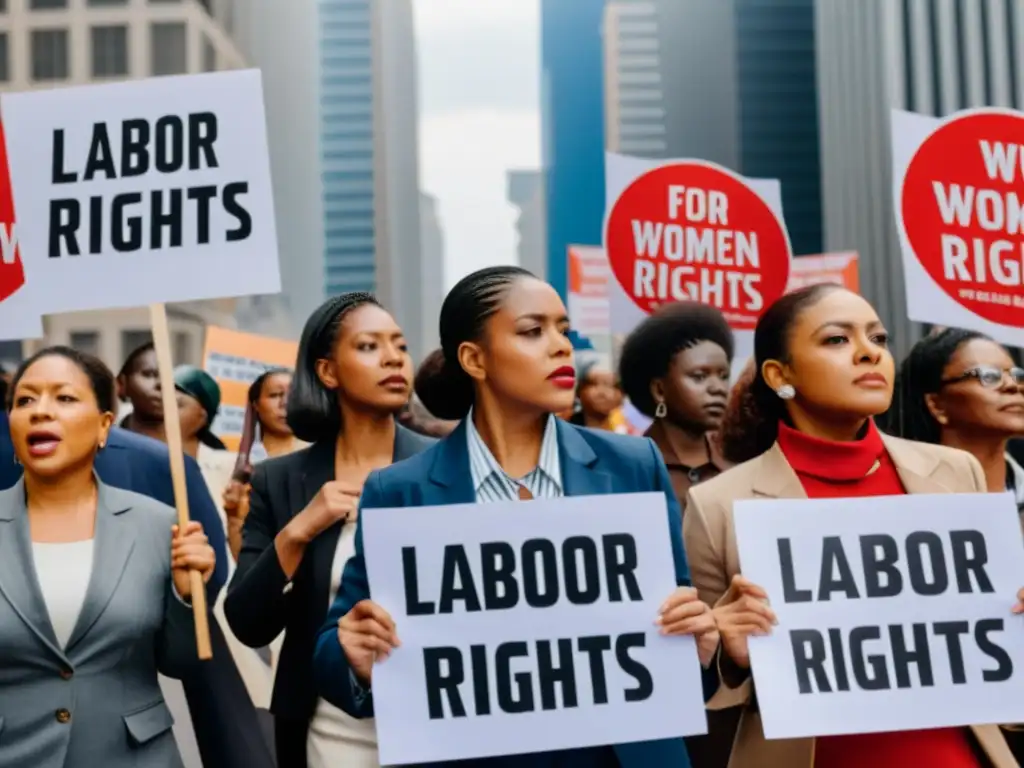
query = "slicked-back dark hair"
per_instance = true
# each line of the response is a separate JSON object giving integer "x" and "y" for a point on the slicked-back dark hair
{"x": 756, "y": 405}
{"x": 649, "y": 350}
{"x": 101, "y": 379}
{"x": 920, "y": 374}
{"x": 133, "y": 357}
{"x": 448, "y": 393}
{"x": 313, "y": 411}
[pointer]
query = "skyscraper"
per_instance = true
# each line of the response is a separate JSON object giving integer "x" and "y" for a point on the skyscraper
{"x": 572, "y": 124}
{"x": 876, "y": 55}
{"x": 433, "y": 288}
{"x": 729, "y": 81}
{"x": 340, "y": 80}
{"x": 526, "y": 192}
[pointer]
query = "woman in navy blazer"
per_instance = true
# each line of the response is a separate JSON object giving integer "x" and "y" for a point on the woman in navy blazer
{"x": 508, "y": 367}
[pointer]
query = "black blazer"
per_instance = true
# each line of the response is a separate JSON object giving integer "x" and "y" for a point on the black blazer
{"x": 258, "y": 605}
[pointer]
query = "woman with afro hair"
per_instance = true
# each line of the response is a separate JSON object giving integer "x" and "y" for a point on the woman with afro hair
{"x": 675, "y": 368}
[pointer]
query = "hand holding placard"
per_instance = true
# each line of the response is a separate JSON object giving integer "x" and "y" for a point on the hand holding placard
{"x": 685, "y": 614}
{"x": 367, "y": 634}
{"x": 742, "y": 612}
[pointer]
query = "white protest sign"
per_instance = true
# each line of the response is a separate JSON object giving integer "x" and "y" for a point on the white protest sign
{"x": 141, "y": 192}
{"x": 527, "y": 627}
{"x": 894, "y": 612}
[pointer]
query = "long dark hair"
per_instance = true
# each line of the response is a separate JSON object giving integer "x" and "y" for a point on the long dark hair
{"x": 251, "y": 426}
{"x": 313, "y": 412}
{"x": 757, "y": 410}
{"x": 448, "y": 392}
{"x": 920, "y": 374}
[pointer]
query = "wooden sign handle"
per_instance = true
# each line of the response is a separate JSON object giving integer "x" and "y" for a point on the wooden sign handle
{"x": 172, "y": 428}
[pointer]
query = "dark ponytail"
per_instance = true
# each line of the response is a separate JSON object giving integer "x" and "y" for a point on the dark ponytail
{"x": 444, "y": 388}
{"x": 752, "y": 421}
{"x": 313, "y": 412}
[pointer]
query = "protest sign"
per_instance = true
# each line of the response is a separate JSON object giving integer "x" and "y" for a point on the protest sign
{"x": 692, "y": 230}
{"x": 20, "y": 322}
{"x": 527, "y": 627}
{"x": 587, "y": 297}
{"x": 236, "y": 360}
{"x": 893, "y": 612}
{"x": 163, "y": 183}
{"x": 960, "y": 218}
{"x": 838, "y": 268}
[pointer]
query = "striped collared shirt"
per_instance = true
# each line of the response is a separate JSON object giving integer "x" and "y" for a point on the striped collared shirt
{"x": 492, "y": 483}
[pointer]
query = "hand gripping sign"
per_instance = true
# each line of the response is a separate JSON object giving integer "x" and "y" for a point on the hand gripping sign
{"x": 961, "y": 208}
{"x": 694, "y": 231}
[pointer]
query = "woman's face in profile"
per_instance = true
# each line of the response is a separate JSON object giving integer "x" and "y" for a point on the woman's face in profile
{"x": 980, "y": 393}
{"x": 840, "y": 361}
{"x": 56, "y": 424}
{"x": 272, "y": 404}
{"x": 526, "y": 355}
{"x": 370, "y": 364}
{"x": 192, "y": 417}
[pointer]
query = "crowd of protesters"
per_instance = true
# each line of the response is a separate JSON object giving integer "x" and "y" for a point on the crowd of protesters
{"x": 94, "y": 588}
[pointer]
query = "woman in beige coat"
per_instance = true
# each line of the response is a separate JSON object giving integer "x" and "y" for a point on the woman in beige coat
{"x": 824, "y": 372}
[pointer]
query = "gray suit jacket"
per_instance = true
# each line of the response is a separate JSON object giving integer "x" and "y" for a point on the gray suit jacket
{"x": 96, "y": 702}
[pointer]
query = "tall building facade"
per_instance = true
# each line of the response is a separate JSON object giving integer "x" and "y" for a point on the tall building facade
{"x": 572, "y": 126}
{"x": 432, "y": 246}
{"x": 876, "y": 55}
{"x": 340, "y": 86}
{"x": 53, "y": 43}
{"x": 526, "y": 192}
{"x": 282, "y": 39}
{"x": 729, "y": 81}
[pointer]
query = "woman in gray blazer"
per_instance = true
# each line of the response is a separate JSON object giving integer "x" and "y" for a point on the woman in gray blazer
{"x": 94, "y": 585}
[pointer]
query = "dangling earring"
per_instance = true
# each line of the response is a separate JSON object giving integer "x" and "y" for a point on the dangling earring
{"x": 17, "y": 461}
{"x": 786, "y": 392}
{"x": 661, "y": 411}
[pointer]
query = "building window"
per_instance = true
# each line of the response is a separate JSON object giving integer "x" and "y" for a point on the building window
{"x": 93, "y": 3}
{"x": 110, "y": 51}
{"x": 182, "y": 348}
{"x": 169, "y": 42}
{"x": 49, "y": 54}
{"x": 85, "y": 341}
{"x": 3, "y": 6}
{"x": 209, "y": 56}
{"x": 46, "y": 5}
{"x": 5, "y": 64}
{"x": 132, "y": 340}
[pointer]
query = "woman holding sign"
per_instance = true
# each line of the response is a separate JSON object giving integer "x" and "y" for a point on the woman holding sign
{"x": 824, "y": 371}
{"x": 352, "y": 376}
{"x": 94, "y": 584}
{"x": 508, "y": 368}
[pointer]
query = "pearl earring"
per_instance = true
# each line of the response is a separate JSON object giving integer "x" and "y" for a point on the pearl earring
{"x": 786, "y": 392}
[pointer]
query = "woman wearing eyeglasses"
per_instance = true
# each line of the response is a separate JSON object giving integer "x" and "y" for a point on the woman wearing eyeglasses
{"x": 959, "y": 388}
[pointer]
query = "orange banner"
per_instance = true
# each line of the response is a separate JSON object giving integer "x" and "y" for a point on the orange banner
{"x": 236, "y": 360}
{"x": 840, "y": 267}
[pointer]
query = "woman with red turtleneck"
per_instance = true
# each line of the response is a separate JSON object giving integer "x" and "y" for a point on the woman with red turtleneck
{"x": 804, "y": 429}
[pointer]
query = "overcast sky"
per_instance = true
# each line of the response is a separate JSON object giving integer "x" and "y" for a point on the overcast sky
{"x": 479, "y": 79}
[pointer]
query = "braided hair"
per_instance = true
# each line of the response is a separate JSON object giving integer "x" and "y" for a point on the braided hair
{"x": 313, "y": 413}
{"x": 921, "y": 374}
{"x": 448, "y": 392}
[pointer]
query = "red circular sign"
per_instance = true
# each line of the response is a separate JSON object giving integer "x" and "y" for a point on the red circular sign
{"x": 961, "y": 208}
{"x": 694, "y": 231}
